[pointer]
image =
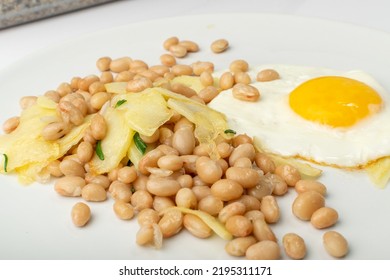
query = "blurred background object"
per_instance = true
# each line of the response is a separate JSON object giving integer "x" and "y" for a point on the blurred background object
{"x": 14, "y": 12}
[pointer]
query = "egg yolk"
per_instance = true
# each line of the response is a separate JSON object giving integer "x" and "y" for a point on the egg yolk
{"x": 334, "y": 101}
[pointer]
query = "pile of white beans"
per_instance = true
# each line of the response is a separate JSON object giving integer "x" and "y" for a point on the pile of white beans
{"x": 240, "y": 189}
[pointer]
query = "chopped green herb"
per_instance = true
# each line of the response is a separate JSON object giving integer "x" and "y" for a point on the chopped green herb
{"x": 5, "y": 162}
{"x": 139, "y": 143}
{"x": 120, "y": 102}
{"x": 99, "y": 151}
{"x": 230, "y": 131}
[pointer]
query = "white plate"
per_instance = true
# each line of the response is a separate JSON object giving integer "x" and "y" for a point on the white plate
{"x": 35, "y": 221}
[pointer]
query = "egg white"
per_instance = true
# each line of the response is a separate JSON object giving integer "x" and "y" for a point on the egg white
{"x": 284, "y": 132}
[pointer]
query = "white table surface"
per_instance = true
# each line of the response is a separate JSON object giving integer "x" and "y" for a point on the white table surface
{"x": 17, "y": 42}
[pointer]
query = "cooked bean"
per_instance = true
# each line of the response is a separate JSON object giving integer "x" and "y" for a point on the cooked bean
{"x": 138, "y": 85}
{"x": 93, "y": 192}
{"x": 186, "y": 198}
{"x": 103, "y": 63}
{"x": 183, "y": 140}
{"x": 202, "y": 150}
{"x": 239, "y": 226}
{"x": 100, "y": 180}
{"x": 96, "y": 87}
{"x": 243, "y": 163}
{"x": 53, "y": 95}
{"x": 183, "y": 90}
{"x": 70, "y": 113}
{"x": 98, "y": 127}
{"x": 160, "y": 69}
{"x": 84, "y": 151}
{"x": 201, "y": 192}
{"x": 170, "y": 162}
{"x": 241, "y": 139}
{"x": 123, "y": 210}
{"x": 208, "y": 93}
{"x": 294, "y": 246}
{"x": 168, "y": 150}
{"x": 238, "y": 65}
{"x": 226, "y": 189}
{"x": 55, "y": 130}
{"x": 219, "y": 46}
{"x": 289, "y": 174}
{"x": 171, "y": 223}
{"x": 324, "y": 217}
{"x": 274, "y": 183}
{"x": 69, "y": 185}
{"x": 245, "y": 92}
{"x": 113, "y": 174}
{"x": 170, "y": 42}
{"x": 224, "y": 149}
{"x": 162, "y": 186}
{"x": 11, "y": 124}
{"x": 124, "y": 76}
{"x": 168, "y": 60}
{"x": 120, "y": 64}
{"x": 263, "y": 250}
{"x": 74, "y": 83}
{"x": 210, "y": 204}
{"x": 208, "y": 170}
{"x": 242, "y": 78}
{"x": 150, "y": 159}
{"x": 226, "y": 81}
{"x": 64, "y": 89}
{"x": 127, "y": 174}
{"x": 335, "y": 244}
{"x": 183, "y": 123}
{"x": 310, "y": 185}
{"x": 260, "y": 190}
{"x": 262, "y": 231}
{"x": 162, "y": 202}
{"x": 265, "y": 163}
{"x": 148, "y": 217}
{"x": 253, "y": 215}
{"x": 196, "y": 226}
{"x": 27, "y": 101}
{"x": 83, "y": 84}
{"x": 71, "y": 167}
{"x": 267, "y": 75}
{"x": 106, "y": 77}
{"x": 189, "y": 163}
{"x": 141, "y": 199}
{"x": 189, "y": 45}
{"x": 306, "y": 203}
{"x": 54, "y": 168}
{"x": 120, "y": 191}
{"x": 270, "y": 208}
{"x": 185, "y": 181}
{"x": 81, "y": 214}
{"x": 250, "y": 202}
{"x": 235, "y": 208}
{"x": 145, "y": 235}
{"x": 244, "y": 150}
{"x": 206, "y": 79}
{"x": 182, "y": 69}
{"x": 178, "y": 51}
{"x": 246, "y": 177}
{"x": 238, "y": 246}
{"x": 200, "y": 67}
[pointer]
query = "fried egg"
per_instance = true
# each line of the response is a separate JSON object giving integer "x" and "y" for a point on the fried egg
{"x": 327, "y": 116}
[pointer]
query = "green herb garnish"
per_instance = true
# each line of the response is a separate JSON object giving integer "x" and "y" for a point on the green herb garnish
{"x": 230, "y": 131}
{"x": 99, "y": 151}
{"x": 5, "y": 162}
{"x": 139, "y": 143}
{"x": 120, "y": 102}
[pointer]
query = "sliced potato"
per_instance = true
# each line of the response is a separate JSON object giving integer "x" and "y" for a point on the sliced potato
{"x": 116, "y": 143}
{"x": 306, "y": 170}
{"x": 379, "y": 172}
